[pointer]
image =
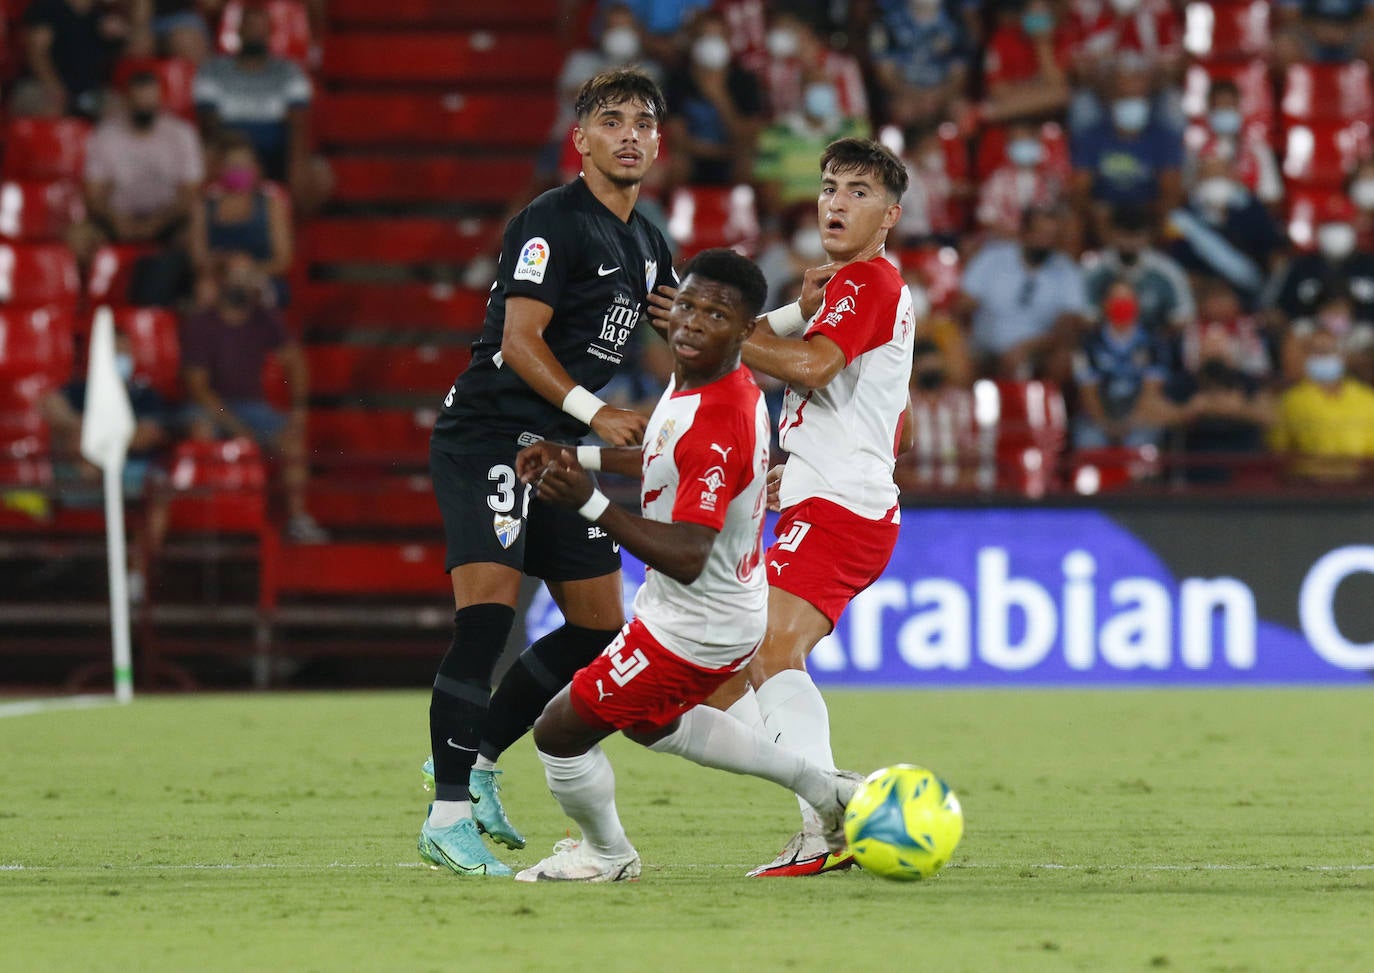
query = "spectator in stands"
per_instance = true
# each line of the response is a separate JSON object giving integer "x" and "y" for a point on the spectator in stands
{"x": 937, "y": 325}
{"x": 1224, "y": 231}
{"x": 1225, "y": 136}
{"x": 621, "y": 44}
{"x": 1335, "y": 312}
{"x": 266, "y": 98}
{"x": 1221, "y": 407}
{"x": 223, "y": 350}
{"x": 946, "y": 446}
{"x": 1326, "y": 421}
{"x": 934, "y": 204}
{"x": 1324, "y": 31}
{"x": 925, "y": 56}
{"x": 71, "y": 47}
{"x": 797, "y": 58}
{"x": 785, "y": 167}
{"x": 178, "y": 27}
{"x": 795, "y": 248}
{"x": 1026, "y": 302}
{"x": 144, "y": 168}
{"x": 1121, "y": 369}
{"x": 1132, "y": 158}
{"x": 1222, "y": 324}
{"x": 663, "y": 21}
{"x": 1024, "y": 65}
{"x": 239, "y": 214}
{"x": 1027, "y": 178}
{"x": 1360, "y": 190}
{"x": 1100, "y": 34}
{"x": 1161, "y": 287}
{"x": 714, "y": 111}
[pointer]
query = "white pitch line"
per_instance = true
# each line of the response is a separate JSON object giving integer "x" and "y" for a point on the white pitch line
{"x": 30, "y": 707}
{"x": 381, "y": 866}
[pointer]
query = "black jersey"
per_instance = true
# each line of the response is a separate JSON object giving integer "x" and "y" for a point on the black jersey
{"x": 569, "y": 251}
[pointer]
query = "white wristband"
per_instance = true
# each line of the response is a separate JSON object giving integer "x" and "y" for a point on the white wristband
{"x": 595, "y": 506}
{"x": 581, "y": 404}
{"x": 589, "y": 457}
{"x": 787, "y": 320}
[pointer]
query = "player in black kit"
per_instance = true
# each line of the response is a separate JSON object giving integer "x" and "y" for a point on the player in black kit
{"x": 576, "y": 268}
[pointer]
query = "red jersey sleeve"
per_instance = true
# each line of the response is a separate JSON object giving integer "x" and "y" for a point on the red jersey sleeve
{"x": 714, "y": 464}
{"x": 860, "y": 309}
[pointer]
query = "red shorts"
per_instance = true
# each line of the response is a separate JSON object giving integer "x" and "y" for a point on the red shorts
{"x": 826, "y": 554}
{"x": 637, "y": 684}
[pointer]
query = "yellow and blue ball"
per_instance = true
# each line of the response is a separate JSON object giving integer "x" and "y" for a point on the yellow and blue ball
{"x": 903, "y": 822}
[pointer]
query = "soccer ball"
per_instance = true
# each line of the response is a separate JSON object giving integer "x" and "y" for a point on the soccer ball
{"x": 903, "y": 822}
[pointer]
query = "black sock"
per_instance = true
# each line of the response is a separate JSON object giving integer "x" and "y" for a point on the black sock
{"x": 536, "y": 677}
{"x": 462, "y": 690}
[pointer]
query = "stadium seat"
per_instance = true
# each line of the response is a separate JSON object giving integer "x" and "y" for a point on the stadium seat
{"x": 154, "y": 336}
{"x": 395, "y": 240}
{"x": 393, "y": 370}
{"x": 37, "y": 273}
{"x": 290, "y": 37}
{"x": 1226, "y": 29}
{"x": 939, "y": 270}
{"x": 424, "y": 179}
{"x": 390, "y": 502}
{"x": 992, "y": 149}
{"x": 45, "y": 149}
{"x": 701, "y": 217}
{"x": 33, "y": 212}
{"x": 439, "y": 57}
{"x": 1092, "y": 471}
{"x": 1032, "y": 430}
{"x": 1323, "y": 153}
{"x": 357, "y": 568}
{"x": 1251, "y": 77}
{"x": 35, "y": 342}
{"x": 331, "y": 307}
{"x": 1329, "y": 92}
{"x": 1304, "y": 205}
{"x": 176, "y": 76}
{"x": 444, "y": 13}
{"x": 112, "y": 271}
{"x": 370, "y": 437}
{"x": 367, "y": 118}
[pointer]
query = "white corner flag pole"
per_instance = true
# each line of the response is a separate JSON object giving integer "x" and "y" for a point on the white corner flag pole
{"x": 107, "y": 427}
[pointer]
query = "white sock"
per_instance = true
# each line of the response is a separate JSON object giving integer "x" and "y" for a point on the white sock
{"x": 585, "y": 789}
{"x": 714, "y": 739}
{"x": 746, "y": 710}
{"x": 482, "y": 763}
{"x": 794, "y": 715}
{"x": 445, "y": 814}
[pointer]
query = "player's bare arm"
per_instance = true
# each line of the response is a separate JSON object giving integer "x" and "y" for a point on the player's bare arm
{"x": 679, "y": 550}
{"x": 525, "y": 351}
{"x": 806, "y": 363}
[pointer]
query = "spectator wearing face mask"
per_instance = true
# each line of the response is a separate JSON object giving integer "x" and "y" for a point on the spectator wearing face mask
{"x": 1025, "y": 301}
{"x": 1130, "y": 158}
{"x": 714, "y": 111}
{"x": 1025, "y": 64}
{"x": 799, "y": 58}
{"x": 1026, "y": 179}
{"x": 1225, "y": 136}
{"x": 1326, "y": 421}
{"x": 1323, "y": 31}
{"x": 662, "y": 21}
{"x": 1336, "y": 314}
{"x": 1120, "y": 370}
{"x": 1101, "y": 33}
{"x": 620, "y": 44}
{"x": 1223, "y": 323}
{"x": 785, "y": 168}
{"x": 1161, "y": 287}
{"x": 1225, "y": 232}
{"x": 948, "y": 447}
{"x": 923, "y": 49}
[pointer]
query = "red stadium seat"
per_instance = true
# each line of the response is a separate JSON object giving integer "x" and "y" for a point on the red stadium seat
{"x": 370, "y": 437}
{"x": 992, "y": 149}
{"x": 444, "y": 13}
{"x": 1323, "y": 153}
{"x": 1304, "y": 208}
{"x": 418, "y": 180}
{"x": 1092, "y": 471}
{"x": 393, "y": 502}
{"x": 1251, "y": 77}
{"x": 35, "y": 342}
{"x": 45, "y": 149}
{"x": 37, "y": 273}
{"x": 1331, "y": 92}
{"x": 176, "y": 77}
{"x": 1031, "y": 434}
{"x": 437, "y": 57}
{"x": 398, "y": 240}
{"x": 701, "y": 217}
{"x": 336, "y": 306}
{"x": 36, "y": 211}
{"x": 218, "y": 487}
{"x": 290, "y": 37}
{"x": 112, "y": 271}
{"x": 1226, "y": 29}
{"x": 358, "y": 118}
{"x": 939, "y": 270}
{"x": 368, "y": 369}
{"x": 352, "y": 569}
{"x": 154, "y": 337}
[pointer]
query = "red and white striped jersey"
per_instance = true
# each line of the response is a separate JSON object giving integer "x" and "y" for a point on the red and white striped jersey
{"x": 706, "y": 462}
{"x": 843, "y": 438}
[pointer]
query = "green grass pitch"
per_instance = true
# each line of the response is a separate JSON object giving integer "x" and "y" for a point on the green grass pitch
{"x": 1219, "y": 830}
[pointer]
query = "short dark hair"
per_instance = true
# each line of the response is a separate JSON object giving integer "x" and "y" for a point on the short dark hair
{"x": 622, "y": 84}
{"x": 866, "y": 155}
{"x": 724, "y": 266}
{"x": 1131, "y": 218}
{"x": 1223, "y": 86}
{"x": 142, "y": 77}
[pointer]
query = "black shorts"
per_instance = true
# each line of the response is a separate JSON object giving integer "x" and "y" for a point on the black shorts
{"x": 490, "y": 516}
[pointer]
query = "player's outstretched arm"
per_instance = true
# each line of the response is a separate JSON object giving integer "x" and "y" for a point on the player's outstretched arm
{"x": 524, "y": 351}
{"x": 679, "y": 550}
{"x": 811, "y": 363}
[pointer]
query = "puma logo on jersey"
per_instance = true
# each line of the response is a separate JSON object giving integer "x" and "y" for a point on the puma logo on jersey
{"x": 723, "y": 450}
{"x": 778, "y": 566}
{"x": 857, "y": 287}
{"x": 600, "y": 692}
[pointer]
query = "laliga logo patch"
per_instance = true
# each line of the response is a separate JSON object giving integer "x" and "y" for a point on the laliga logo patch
{"x": 533, "y": 260}
{"x": 650, "y": 274}
{"x": 507, "y": 529}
